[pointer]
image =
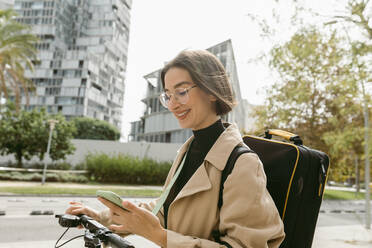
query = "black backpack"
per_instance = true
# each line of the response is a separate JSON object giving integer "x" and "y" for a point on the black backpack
{"x": 296, "y": 177}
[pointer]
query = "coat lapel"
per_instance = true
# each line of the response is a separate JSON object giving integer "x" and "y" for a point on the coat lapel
{"x": 224, "y": 145}
{"x": 217, "y": 157}
{"x": 198, "y": 182}
{"x": 177, "y": 161}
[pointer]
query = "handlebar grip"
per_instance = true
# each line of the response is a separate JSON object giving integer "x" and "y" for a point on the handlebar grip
{"x": 284, "y": 134}
{"x": 118, "y": 241}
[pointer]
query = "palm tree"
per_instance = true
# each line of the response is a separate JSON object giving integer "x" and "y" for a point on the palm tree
{"x": 17, "y": 51}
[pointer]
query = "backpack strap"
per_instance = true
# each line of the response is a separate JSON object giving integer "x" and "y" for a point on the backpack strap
{"x": 238, "y": 150}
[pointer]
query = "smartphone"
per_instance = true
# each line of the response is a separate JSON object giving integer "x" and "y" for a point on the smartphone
{"x": 112, "y": 197}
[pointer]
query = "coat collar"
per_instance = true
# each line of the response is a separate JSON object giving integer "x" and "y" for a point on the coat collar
{"x": 224, "y": 145}
{"x": 221, "y": 149}
{"x": 197, "y": 183}
{"x": 217, "y": 157}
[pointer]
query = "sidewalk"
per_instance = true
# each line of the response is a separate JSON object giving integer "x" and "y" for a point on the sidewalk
{"x": 77, "y": 185}
{"x": 348, "y": 236}
{"x": 343, "y": 234}
{"x": 349, "y": 189}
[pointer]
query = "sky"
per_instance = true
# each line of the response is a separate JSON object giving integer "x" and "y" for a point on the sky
{"x": 160, "y": 29}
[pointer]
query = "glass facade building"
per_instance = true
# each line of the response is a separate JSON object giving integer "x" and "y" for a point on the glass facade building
{"x": 82, "y": 59}
{"x": 159, "y": 125}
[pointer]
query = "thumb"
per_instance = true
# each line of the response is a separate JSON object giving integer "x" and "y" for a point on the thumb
{"x": 116, "y": 228}
{"x": 130, "y": 206}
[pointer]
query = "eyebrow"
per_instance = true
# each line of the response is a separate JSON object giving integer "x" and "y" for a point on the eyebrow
{"x": 179, "y": 84}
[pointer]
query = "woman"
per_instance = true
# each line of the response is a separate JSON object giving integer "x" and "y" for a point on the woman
{"x": 197, "y": 91}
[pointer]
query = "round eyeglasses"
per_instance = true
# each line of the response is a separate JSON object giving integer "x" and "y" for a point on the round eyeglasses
{"x": 180, "y": 95}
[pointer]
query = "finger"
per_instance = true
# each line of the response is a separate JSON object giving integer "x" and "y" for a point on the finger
{"x": 73, "y": 208}
{"x": 78, "y": 211}
{"x": 70, "y": 209}
{"x": 118, "y": 228}
{"x": 131, "y": 207}
{"x": 109, "y": 204}
{"x": 75, "y": 203}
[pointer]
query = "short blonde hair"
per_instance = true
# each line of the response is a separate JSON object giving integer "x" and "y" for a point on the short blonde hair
{"x": 208, "y": 74}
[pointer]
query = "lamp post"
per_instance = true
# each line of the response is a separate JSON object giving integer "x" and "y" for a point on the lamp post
{"x": 366, "y": 159}
{"x": 52, "y": 124}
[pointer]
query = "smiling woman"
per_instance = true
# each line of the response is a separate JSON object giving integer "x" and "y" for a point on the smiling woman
{"x": 187, "y": 214}
{"x": 207, "y": 72}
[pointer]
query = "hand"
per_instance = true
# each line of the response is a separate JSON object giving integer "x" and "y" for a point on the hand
{"x": 79, "y": 208}
{"x": 138, "y": 221}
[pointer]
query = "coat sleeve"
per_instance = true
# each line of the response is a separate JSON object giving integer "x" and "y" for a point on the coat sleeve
{"x": 248, "y": 216}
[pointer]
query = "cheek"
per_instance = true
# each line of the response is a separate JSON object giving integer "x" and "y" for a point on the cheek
{"x": 203, "y": 108}
{"x": 201, "y": 105}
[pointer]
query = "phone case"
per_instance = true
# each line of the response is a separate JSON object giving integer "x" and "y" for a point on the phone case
{"x": 112, "y": 197}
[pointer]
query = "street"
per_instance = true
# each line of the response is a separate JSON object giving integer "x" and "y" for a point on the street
{"x": 19, "y": 229}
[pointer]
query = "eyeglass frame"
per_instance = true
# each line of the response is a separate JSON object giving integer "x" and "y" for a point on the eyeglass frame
{"x": 173, "y": 94}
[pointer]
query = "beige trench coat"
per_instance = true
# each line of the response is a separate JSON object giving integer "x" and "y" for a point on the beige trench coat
{"x": 248, "y": 216}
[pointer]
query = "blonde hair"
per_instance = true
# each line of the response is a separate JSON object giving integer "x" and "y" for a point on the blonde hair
{"x": 208, "y": 73}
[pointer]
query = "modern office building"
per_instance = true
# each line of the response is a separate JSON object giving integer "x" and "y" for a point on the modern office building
{"x": 159, "y": 125}
{"x": 82, "y": 59}
{"x": 6, "y": 4}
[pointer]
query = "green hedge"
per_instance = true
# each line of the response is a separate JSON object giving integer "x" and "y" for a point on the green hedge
{"x": 50, "y": 177}
{"x": 40, "y": 165}
{"x": 126, "y": 169}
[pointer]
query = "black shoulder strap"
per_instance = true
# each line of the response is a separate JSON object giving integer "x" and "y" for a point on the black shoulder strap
{"x": 238, "y": 150}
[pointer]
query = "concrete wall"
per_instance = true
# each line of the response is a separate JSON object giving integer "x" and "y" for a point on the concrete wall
{"x": 157, "y": 151}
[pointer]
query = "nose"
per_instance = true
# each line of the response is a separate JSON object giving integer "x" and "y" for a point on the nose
{"x": 173, "y": 103}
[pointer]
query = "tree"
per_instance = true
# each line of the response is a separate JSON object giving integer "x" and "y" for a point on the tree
{"x": 17, "y": 52}
{"x": 25, "y": 134}
{"x": 88, "y": 128}
{"x": 361, "y": 60}
{"x": 316, "y": 94}
{"x": 335, "y": 92}
{"x": 352, "y": 19}
{"x": 356, "y": 15}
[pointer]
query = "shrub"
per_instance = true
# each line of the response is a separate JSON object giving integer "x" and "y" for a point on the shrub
{"x": 80, "y": 166}
{"x": 51, "y": 166}
{"x": 126, "y": 169}
{"x": 50, "y": 177}
{"x": 68, "y": 177}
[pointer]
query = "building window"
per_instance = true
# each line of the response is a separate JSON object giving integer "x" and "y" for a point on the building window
{"x": 52, "y": 91}
{"x": 83, "y": 82}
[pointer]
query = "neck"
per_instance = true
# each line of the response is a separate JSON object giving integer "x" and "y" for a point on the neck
{"x": 208, "y": 124}
{"x": 207, "y": 136}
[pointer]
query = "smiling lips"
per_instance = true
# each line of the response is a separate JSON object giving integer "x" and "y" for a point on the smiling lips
{"x": 182, "y": 115}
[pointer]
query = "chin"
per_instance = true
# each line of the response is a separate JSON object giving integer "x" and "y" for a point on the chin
{"x": 184, "y": 124}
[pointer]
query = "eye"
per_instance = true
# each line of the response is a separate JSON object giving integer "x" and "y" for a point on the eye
{"x": 182, "y": 92}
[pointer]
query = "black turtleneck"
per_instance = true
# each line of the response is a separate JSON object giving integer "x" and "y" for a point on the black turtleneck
{"x": 200, "y": 146}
